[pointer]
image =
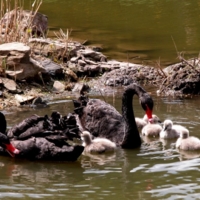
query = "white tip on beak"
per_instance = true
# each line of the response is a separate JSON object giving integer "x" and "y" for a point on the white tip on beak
{"x": 151, "y": 120}
{"x": 16, "y": 151}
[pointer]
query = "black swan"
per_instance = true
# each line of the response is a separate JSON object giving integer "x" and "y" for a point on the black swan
{"x": 4, "y": 140}
{"x": 97, "y": 145}
{"x": 172, "y": 131}
{"x": 103, "y": 120}
{"x": 43, "y": 138}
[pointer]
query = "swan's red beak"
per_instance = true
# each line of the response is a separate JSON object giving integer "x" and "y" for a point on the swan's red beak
{"x": 149, "y": 114}
{"x": 11, "y": 149}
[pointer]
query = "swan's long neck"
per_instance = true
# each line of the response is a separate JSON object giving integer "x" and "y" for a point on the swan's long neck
{"x": 131, "y": 134}
{"x": 3, "y": 123}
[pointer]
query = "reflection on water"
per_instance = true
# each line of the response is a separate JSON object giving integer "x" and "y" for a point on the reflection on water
{"x": 156, "y": 170}
{"x": 135, "y": 30}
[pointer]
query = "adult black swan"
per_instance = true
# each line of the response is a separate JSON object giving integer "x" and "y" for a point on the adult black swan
{"x": 41, "y": 138}
{"x": 103, "y": 120}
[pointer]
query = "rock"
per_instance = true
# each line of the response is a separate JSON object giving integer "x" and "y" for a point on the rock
{"x": 90, "y": 62}
{"x": 71, "y": 75}
{"x": 24, "y": 99}
{"x": 81, "y": 88}
{"x": 38, "y": 102}
{"x": 94, "y": 55}
{"x": 55, "y": 49}
{"x": 52, "y": 68}
{"x": 18, "y": 64}
{"x": 181, "y": 79}
{"x": 28, "y": 22}
{"x": 9, "y": 84}
{"x": 14, "y": 73}
{"x": 74, "y": 59}
{"x": 121, "y": 73}
{"x": 81, "y": 63}
{"x": 92, "y": 70}
{"x": 14, "y": 53}
{"x": 58, "y": 87}
{"x": 17, "y": 61}
{"x": 72, "y": 66}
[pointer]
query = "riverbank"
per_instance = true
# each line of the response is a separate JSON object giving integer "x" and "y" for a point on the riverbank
{"x": 41, "y": 67}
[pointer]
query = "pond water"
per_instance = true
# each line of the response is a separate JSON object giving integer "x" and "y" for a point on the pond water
{"x": 139, "y": 31}
{"x": 154, "y": 171}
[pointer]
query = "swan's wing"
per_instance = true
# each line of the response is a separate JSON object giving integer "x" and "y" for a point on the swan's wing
{"x": 24, "y": 125}
{"x": 102, "y": 120}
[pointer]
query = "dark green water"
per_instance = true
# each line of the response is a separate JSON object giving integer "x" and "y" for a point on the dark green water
{"x": 130, "y": 30}
{"x": 125, "y": 29}
{"x": 154, "y": 171}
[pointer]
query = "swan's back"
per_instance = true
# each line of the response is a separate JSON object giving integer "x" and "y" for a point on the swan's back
{"x": 102, "y": 120}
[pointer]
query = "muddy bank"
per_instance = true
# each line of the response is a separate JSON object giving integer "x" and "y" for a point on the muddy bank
{"x": 45, "y": 68}
{"x": 86, "y": 65}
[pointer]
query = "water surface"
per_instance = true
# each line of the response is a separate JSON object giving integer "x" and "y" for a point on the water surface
{"x": 154, "y": 171}
{"x": 142, "y": 31}
{"x": 136, "y": 31}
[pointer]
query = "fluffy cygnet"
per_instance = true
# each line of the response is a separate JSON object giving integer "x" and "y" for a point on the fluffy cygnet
{"x": 152, "y": 130}
{"x": 97, "y": 145}
{"x": 186, "y": 142}
{"x": 172, "y": 131}
{"x": 141, "y": 122}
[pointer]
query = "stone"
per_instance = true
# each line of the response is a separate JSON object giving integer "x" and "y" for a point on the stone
{"x": 15, "y": 59}
{"x": 71, "y": 74}
{"x": 55, "y": 49}
{"x": 58, "y": 87}
{"x": 24, "y": 99}
{"x": 29, "y": 23}
{"x": 52, "y": 68}
{"x": 9, "y": 84}
{"x": 74, "y": 59}
{"x": 92, "y": 70}
{"x": 94, "y": 55}
{"x": 38, "y": 102}
{"x": 81, "y": 63}
{"x": 81, "y": 88}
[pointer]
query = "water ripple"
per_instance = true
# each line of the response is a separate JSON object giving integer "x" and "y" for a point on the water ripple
{"x": 176, "y": 166}
{"x": 94, "y": 171}
{"x": 181, "y": 191}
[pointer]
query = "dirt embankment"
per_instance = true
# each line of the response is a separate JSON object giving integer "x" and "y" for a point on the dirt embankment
{"x": 44, "y": 67}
